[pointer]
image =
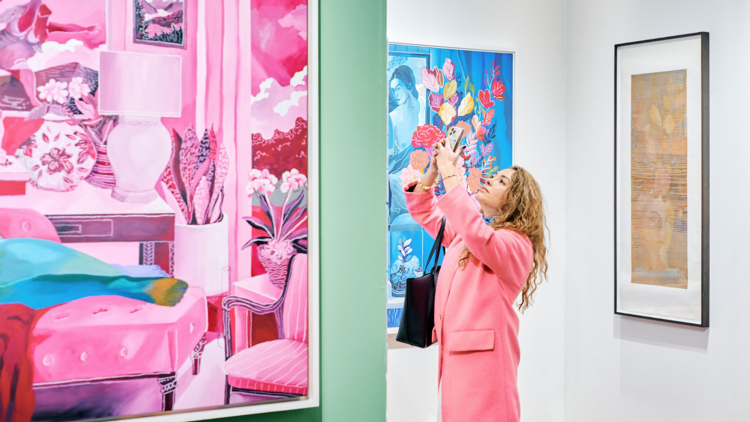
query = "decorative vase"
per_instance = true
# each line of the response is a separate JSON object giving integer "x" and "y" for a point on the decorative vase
{"x": 275, "y": 256}
{"x": 101, "y": 175}
{"x": 59, "y": 156}
{"x": 139, "y": 148}
{"x": 201, "y": 255}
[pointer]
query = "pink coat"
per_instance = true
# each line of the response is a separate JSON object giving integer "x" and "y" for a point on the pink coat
{"x": 476, "y": 324}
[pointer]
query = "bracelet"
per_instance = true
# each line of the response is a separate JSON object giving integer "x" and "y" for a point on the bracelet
{"x": 425, "y": 187}
{"x": 448, "y": 177}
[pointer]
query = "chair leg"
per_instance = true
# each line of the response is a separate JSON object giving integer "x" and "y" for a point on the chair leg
{"x": 280, "y": 321}
{"x": 168, "y": 384}
{"x": 197, "y": 354}
{"x": 227, "y": 391}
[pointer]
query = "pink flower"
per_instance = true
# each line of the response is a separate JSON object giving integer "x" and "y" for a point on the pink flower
{"x": 409, "y": 175}
{"x": 56, "y": 161}
{"x": 429, "y": 79}
{"x": 425, "y": 136}
{"x": 54, "y": 91}
{"x": 261, "y": 182}
{"x": 478, "y": 127}
{"x": 435, "y": 100}
{"x": 448, "y": 69}
{"x": 292, "y": 180}
{"x": 488, "y": 117}
{"x": 78, "y": 88}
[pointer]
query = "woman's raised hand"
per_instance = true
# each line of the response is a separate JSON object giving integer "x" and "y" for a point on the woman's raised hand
{"x": 445, "y": 157}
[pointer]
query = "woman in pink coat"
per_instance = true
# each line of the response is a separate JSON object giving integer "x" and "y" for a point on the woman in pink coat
{"x": 486, "y": 268}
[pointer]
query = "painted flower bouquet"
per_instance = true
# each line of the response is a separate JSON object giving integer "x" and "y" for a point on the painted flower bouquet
{"x": 285, "y": 229}
{"x": 196, "y": 174}
{"x": 457, "y": 102}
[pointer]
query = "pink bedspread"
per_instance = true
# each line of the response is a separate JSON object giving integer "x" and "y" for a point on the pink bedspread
{"x": 112, "y": 336}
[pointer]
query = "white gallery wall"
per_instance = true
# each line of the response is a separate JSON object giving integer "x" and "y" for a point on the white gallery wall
{"x": 535, "y": 30}
{"x": 623, "y": 369}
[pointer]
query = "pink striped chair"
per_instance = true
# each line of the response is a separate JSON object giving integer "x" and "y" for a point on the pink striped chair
{"x": 276, "y": 368}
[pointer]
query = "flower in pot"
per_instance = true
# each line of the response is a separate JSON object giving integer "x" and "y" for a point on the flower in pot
{"x": 196, "y": 174}
{"x": 285, "y": 229}
{"x": 195, "y": 177}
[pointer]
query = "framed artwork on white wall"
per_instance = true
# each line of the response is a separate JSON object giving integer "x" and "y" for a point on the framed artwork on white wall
{"x": 661, "y": 179}
{"x": 433, "y": 91}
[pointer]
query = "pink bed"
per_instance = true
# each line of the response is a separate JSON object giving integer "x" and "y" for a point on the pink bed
{"x": 112, "y": 337}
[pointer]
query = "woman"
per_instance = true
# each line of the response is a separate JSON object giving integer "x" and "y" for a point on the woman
{"x": 403, "y": 119}
{"x": 486, "y": 267}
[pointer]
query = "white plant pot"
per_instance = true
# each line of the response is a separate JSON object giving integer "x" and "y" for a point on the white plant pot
{"x": 201, "y": 256}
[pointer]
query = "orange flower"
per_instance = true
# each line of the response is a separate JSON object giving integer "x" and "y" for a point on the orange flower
{"x": 475, "y": 178}
{"x": 419, "y": 160}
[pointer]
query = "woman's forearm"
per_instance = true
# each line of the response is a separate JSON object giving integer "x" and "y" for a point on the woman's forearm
{"x": 427, "y": 180}
{"x": 448, "y": 173}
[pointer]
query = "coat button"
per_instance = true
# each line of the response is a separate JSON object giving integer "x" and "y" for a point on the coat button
{"x": 440, "y": 317}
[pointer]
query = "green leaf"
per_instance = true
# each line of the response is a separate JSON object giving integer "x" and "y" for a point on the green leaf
{"x": 466, "y": 84}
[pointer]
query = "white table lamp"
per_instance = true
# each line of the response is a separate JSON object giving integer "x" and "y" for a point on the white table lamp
{"x": 141, "y": 89}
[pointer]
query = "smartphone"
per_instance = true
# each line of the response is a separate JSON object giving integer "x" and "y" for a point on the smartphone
{"x": 454, "y": 135}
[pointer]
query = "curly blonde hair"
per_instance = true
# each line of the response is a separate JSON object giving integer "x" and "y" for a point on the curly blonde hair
{"x": 523, "y": 212}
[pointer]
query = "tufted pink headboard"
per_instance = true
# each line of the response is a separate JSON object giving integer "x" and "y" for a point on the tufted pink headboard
{"x": 26, "y": 223}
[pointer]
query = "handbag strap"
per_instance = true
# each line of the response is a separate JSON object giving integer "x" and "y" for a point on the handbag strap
{"x": 436, "y": 247}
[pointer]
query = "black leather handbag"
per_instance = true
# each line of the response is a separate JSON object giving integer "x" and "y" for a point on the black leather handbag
{"x": 418, "y": 316}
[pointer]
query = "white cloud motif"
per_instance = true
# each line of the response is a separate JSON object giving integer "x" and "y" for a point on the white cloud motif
{"x": 277, "y": 107}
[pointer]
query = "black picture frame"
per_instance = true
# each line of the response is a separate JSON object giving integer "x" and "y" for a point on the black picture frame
{"x": 705, "y": 208}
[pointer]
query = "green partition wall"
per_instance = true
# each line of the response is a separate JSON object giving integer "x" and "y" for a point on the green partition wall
{"x": 353, "y": 215}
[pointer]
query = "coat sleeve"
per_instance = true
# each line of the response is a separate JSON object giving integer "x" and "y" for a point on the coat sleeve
{"x": 507, "y": 253}
{"x": 423, "y": 209}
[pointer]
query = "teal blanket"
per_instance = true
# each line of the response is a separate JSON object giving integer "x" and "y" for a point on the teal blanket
{"x": 39, "y": 274}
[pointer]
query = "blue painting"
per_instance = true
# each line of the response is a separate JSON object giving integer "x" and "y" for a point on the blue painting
{"x": 431, "y": 91}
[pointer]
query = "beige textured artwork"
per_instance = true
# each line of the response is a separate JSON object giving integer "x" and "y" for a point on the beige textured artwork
{"x": 658, "y": 177}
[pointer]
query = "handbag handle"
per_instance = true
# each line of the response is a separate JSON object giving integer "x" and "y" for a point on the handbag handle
{"x": 437, "y": 246}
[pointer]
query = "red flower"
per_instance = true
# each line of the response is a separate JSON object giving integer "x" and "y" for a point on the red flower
{"x": 485, "y": 98}
{"x": 498, "y": 89}
{"x": 56, "y": 161}
{"x": 28, "y": 147}
{"x": 425, "y": 136}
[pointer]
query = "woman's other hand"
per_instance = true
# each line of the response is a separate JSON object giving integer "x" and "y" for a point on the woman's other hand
{"x": 445, "y": 157}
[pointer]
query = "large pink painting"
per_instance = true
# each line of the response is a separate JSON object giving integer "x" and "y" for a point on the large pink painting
{"x": 154, "y": 208}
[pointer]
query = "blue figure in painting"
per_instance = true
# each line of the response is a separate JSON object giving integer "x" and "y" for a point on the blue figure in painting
{"x": 403, "y": 118}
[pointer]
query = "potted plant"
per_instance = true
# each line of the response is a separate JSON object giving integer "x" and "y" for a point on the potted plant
{"x": 195, "y": 177}
{"x": 285, "y": 227}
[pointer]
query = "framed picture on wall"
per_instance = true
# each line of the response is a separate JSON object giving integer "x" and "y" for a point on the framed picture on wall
{"x": 160, "y": 22}
{"x": 432, "y": 91}
{"x": 661, "y": 179}
{"x": 174, "y": 282}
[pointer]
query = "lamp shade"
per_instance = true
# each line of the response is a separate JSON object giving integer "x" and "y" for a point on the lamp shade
{"x": 140, "y": 84}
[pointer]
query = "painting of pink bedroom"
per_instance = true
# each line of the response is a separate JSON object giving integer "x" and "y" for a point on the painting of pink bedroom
{"x": 155, "y": 201}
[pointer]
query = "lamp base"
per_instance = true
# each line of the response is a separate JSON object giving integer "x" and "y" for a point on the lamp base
{"x": 134, "y": 197}
{"x": 139, "y": 148}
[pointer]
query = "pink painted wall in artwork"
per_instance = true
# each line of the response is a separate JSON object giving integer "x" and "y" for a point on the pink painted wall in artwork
{"x": 278, "y": 115}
